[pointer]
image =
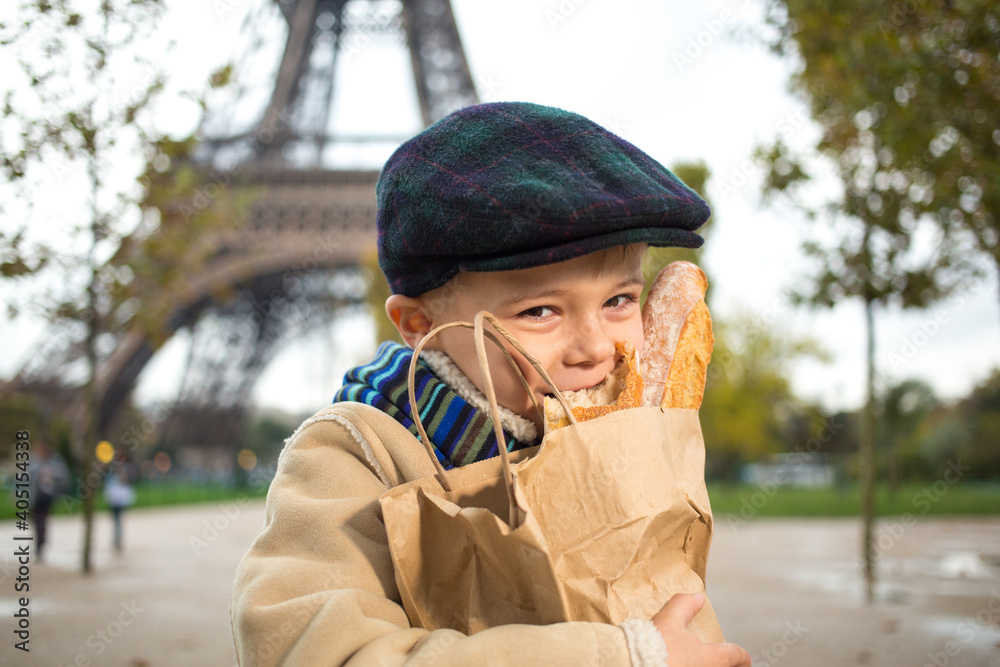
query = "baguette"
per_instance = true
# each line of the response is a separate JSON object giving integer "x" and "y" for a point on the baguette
{"x": 620, "y": 390}
{"x": 678, "y": 340}
{"x": 673, "y": 297}
{"x": 685, "y": 385}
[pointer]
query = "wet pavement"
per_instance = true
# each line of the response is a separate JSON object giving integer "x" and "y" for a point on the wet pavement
{"x": 790, "y": 591}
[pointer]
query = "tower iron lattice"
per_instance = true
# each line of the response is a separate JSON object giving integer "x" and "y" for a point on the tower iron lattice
{"x": 299, "y": 257}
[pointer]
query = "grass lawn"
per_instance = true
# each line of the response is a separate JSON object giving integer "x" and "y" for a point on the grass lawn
{"x": 152, "y": 495}
{"x": 918, "y": 499}
{"x": 744, "y": 501}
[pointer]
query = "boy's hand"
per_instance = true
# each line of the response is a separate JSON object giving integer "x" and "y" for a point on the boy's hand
{"x": 686, "y": 650}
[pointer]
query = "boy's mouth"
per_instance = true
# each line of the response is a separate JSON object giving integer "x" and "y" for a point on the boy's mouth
{"x": 549, "y": 394}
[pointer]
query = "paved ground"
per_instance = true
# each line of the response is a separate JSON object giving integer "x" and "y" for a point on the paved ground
{"x": 791, "y": 592}
{"x": 787, "y": 590}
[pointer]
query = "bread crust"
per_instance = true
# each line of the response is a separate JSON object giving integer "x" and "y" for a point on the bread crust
{"x": 675, "y": 292}
{"x": 623, "y": 386}
{"x": 685, "y": 385}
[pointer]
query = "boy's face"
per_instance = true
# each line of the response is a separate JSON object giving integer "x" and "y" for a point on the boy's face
{"x": 567, "y": 315}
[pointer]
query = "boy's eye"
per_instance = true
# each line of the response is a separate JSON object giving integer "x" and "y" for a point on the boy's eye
{"x": 537, "y": 313}
{"x": 620, "y": 301}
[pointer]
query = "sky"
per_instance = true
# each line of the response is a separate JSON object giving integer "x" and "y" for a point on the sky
{"x": 684, "y": 82}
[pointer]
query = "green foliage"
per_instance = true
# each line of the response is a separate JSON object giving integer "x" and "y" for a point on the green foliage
{"x": 903, "y": 408}
{"x": 222, "y": 77}
{"x": 906, "y": 96}
{"x": 920, "y": 436}
{"x": 93, "y": 129}
{"x": 186, "y": 209}
{"x": 748, "y": 397}
{"x": 980, "y": 414}
{"x": 378, "y": 292}
{"x": 695, "y": 175}
{"x": 733, "y": 505}
{"x": 58, "y": 128}
{"x": 266, "y": 436}
{"x": 19, "y": 412}
{"x": 23, "y": 412}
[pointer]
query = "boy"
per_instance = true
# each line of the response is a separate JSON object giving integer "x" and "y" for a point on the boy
{"x": 541, "y": 217}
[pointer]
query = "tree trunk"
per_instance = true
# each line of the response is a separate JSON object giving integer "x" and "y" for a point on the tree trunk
{"x": 89, "y": 488}
{"x": 996, "y": 263}
{"x": 867, "y": 461}
{"x": 91, "y": 485}
{"x": 892, "y": 462}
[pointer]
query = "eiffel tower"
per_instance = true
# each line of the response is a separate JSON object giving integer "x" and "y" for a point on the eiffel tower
{"x": 310, "y": 219}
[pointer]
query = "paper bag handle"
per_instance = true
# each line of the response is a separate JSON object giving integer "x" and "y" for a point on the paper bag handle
{"x": 480, "y": 334}
{"x": 411, "y": 387}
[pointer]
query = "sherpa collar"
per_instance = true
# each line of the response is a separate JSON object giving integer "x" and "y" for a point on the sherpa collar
{"x": 449, "y": 372}
{"x": 453, "y": 411}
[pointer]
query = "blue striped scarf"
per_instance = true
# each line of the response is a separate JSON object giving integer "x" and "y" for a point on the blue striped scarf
{"x": 460, "y": 432}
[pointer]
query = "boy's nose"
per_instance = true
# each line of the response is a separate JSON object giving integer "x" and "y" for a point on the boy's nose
{"x": 590, "y": 344}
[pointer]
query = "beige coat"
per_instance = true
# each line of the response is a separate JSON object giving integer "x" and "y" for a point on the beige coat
{"x": 317, "y": 585}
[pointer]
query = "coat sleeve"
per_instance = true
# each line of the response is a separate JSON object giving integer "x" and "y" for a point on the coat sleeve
{"x": 317, "y": 585}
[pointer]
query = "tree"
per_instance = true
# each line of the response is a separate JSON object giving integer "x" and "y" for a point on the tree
{"x": 903, "y": 408}
{"x": 980, "y": 413}
{"x": 78, "y": 111}
{"x": 911, "y": 93}
{"x": 847, "y": 68}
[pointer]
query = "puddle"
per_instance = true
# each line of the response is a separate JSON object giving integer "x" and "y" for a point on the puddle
{"x": 965, "y": 565}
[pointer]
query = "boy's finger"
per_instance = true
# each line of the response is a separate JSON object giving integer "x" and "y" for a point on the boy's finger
{"x": 682, "y": 607}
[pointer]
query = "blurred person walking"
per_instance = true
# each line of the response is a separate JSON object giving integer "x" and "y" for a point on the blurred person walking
{"x": 119, "y": 493}
{"x": 48, "y": 478}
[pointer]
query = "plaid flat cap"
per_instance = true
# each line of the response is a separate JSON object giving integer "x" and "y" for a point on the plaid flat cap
{"x": 513, "y": 185}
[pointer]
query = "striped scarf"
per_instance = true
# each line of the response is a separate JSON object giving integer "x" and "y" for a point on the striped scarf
{"x": 459, "y": 432}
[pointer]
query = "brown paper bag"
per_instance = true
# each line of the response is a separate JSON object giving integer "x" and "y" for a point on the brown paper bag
{"x": 604, "y": 521}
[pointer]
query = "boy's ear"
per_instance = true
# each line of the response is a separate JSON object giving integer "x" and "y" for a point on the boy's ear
{"x": 410, "y": 317}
